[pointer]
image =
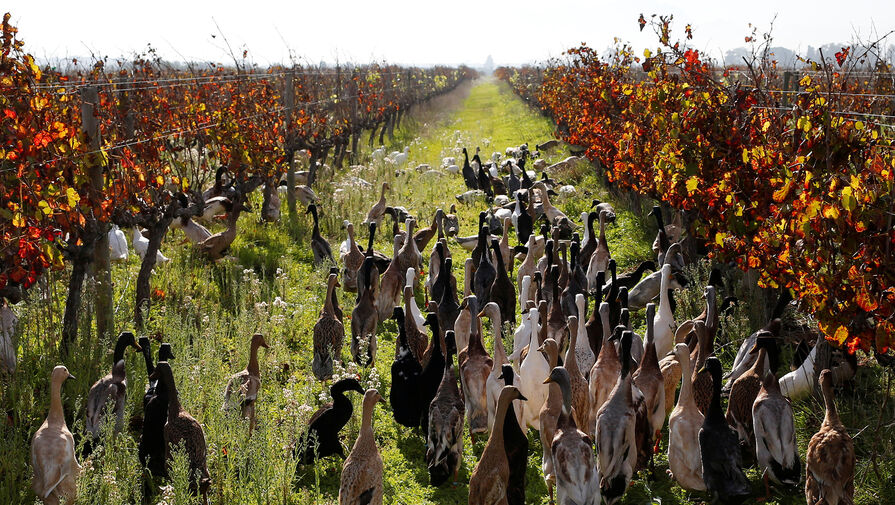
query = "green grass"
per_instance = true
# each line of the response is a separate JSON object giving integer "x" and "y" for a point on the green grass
{"x": 209, "y": 311}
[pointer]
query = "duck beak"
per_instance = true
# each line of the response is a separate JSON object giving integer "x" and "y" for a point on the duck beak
{"x": 548, "y": 380}
{"x": 70, "y": 376}
{"x": 481, "y": 313}
{"x": 381, "y": 400}
{"x": 137, "y": 346}
{"x": 524, "y": 399}
{"x": 703, "y": 369}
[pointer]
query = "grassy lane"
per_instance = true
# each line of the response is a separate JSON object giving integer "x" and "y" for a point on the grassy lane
{"x": 209, "y": 311}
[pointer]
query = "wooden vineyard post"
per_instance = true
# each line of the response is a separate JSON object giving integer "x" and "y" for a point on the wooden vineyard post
{"x": 289, "y": 99}
{"x": 102, "y": 275}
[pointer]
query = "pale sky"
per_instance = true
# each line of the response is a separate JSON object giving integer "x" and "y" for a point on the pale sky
{"x": 421, "y": 32}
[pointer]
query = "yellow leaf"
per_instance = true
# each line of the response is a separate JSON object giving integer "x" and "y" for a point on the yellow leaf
{"x": 692, "y": 183}
{"x": 848, "y": 199}
{"x": 765, "y": 126}
{"x": 159, "y": 180}
{"x": 805, "y": 81}
{"x": 45, "y": 207}
{"x": 831, "y": 212}
{"x": 18, "y": 220}
{"x": 745, "y": 156}
{"x": 841, "y": 335}
{"x": 719, "y": 238}
{"x": 73, "y": 197}
{"x": 859, "y": 125}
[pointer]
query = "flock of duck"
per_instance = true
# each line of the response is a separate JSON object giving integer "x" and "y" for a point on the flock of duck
{"x": 598, "y": 393}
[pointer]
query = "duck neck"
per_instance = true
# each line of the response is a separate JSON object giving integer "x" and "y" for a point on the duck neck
{"x": 253, "y": 368}
{"x": 758, "y": 367}
{"x": 686, "y": 396}
{"x": 173, "y": 399}
{"x": 328, "y": 307}
{"x": 120, "y": 347}
{"x": 715, "y": 412}
{"x": 602, "y": 227}
{"x": 503, "y": 406}
{"x": 147, "y": 358}
{"x": 500, "y": 355}
{"x": 56, "y": 417}
{"x": 365, "y": 436}
{"x": 352, "y": 244}
{"x": 571, "y": 359}
{"x": 831, "y": 416}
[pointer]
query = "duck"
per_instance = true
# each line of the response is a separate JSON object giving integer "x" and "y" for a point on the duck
{"x": 193, "y": 231}
{"x": 521, "y": 334}
{"x": 111, "y": 388}
{"x": 515, "y": 442}
{"x": 745, "y": 359}
{"x": 334, "y": 298}
{"x": 594, "y": 326}
{"x": 409, "y": 256}
{"x": 649, "y": 380}
{"x": 507, "y": 252}
{"x": 648, "y": 288}
{"x": 490, "y": 479}
{"x": 305, "y": 195}
{"x": 589, "y": 244}
{"x": 615, "y": 428}
{"x": 319, "y": 245}
{"x": 661, "y": 243}
{"x": 361, "y": 478}
{"x": 215, "y": 206}
{"x": 684, "y": 424}
{"x": 390, "y": 286}
{"x": 604, "y": 207}
{"x": 405, "y": 373}
{"x": 365, "y": 317}
{"x": 444, "y": 441}
{"x": 321, "y": 438}
{"x": 745, "y": 390}
{"x": 475, "y": 366}
{"x": 435, "y": 282}
{"x": 464, "y": 317}
{"x": 433, "y": 369}
{"x": 776, "y": 449}
{"x": 522, "y": 221}
{"x": 604, "y": 374}
{"x": 719, "y": 446}
{"x": 448, "y": 307}
{"x": 528, "y": 266}
{"x": 182, "y": 429}
{"x": 141, "y": 246}
{"x": 577, "y": 475}
{"x": 599, "y": 260}
{"x": 502, "y": 290}
{"x": 215, "y": 246}
{"x": 469, "y": 176}
{"x": 378, "y": 210}
{"x": 151, "y": 448}
{"x": 413, "y": 325}
{"x": 557, "y": 325}
{"x": 246, "y": 384}
{"x": 451, "y": 224}
{"x": 830, "y": 460}
{"x": 576, "y": 283}
{"x": 118, "y": 244}
{"x": 580, "y": 398}
{"x": 584, "y": 354}
{"x": 532, "y": 371}
{"x": 485, "y": 273}
{"x": 495, "y": 381}
{"x": 612, "y": 297}
{"x": 53, "y": 458}
{"x": 329, "y": 334}
{"x": 553, "y": 214}
{"x": 352, "y": 258}
{"x": 629, "y": 280}
{"x": 549, "y": 415}
{"x": 663, "y": 324}
{"x": 424, "y": 235}
{"x": 702, "y": 383}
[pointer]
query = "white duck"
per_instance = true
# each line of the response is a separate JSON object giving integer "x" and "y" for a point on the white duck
{"x": 53, "y": 457}
{"x": 664, "y": 325}
{"x": 414, "y": 309}
{"x": 117, "y": 244}
{"x": 684, "y": 457}
{"x": 583, "y": 353}
{"x": 531, "y": 377}
{"x": 193, "y": 231}
{"x": 495, "y": 382}
{"x": 141, "y": 245}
